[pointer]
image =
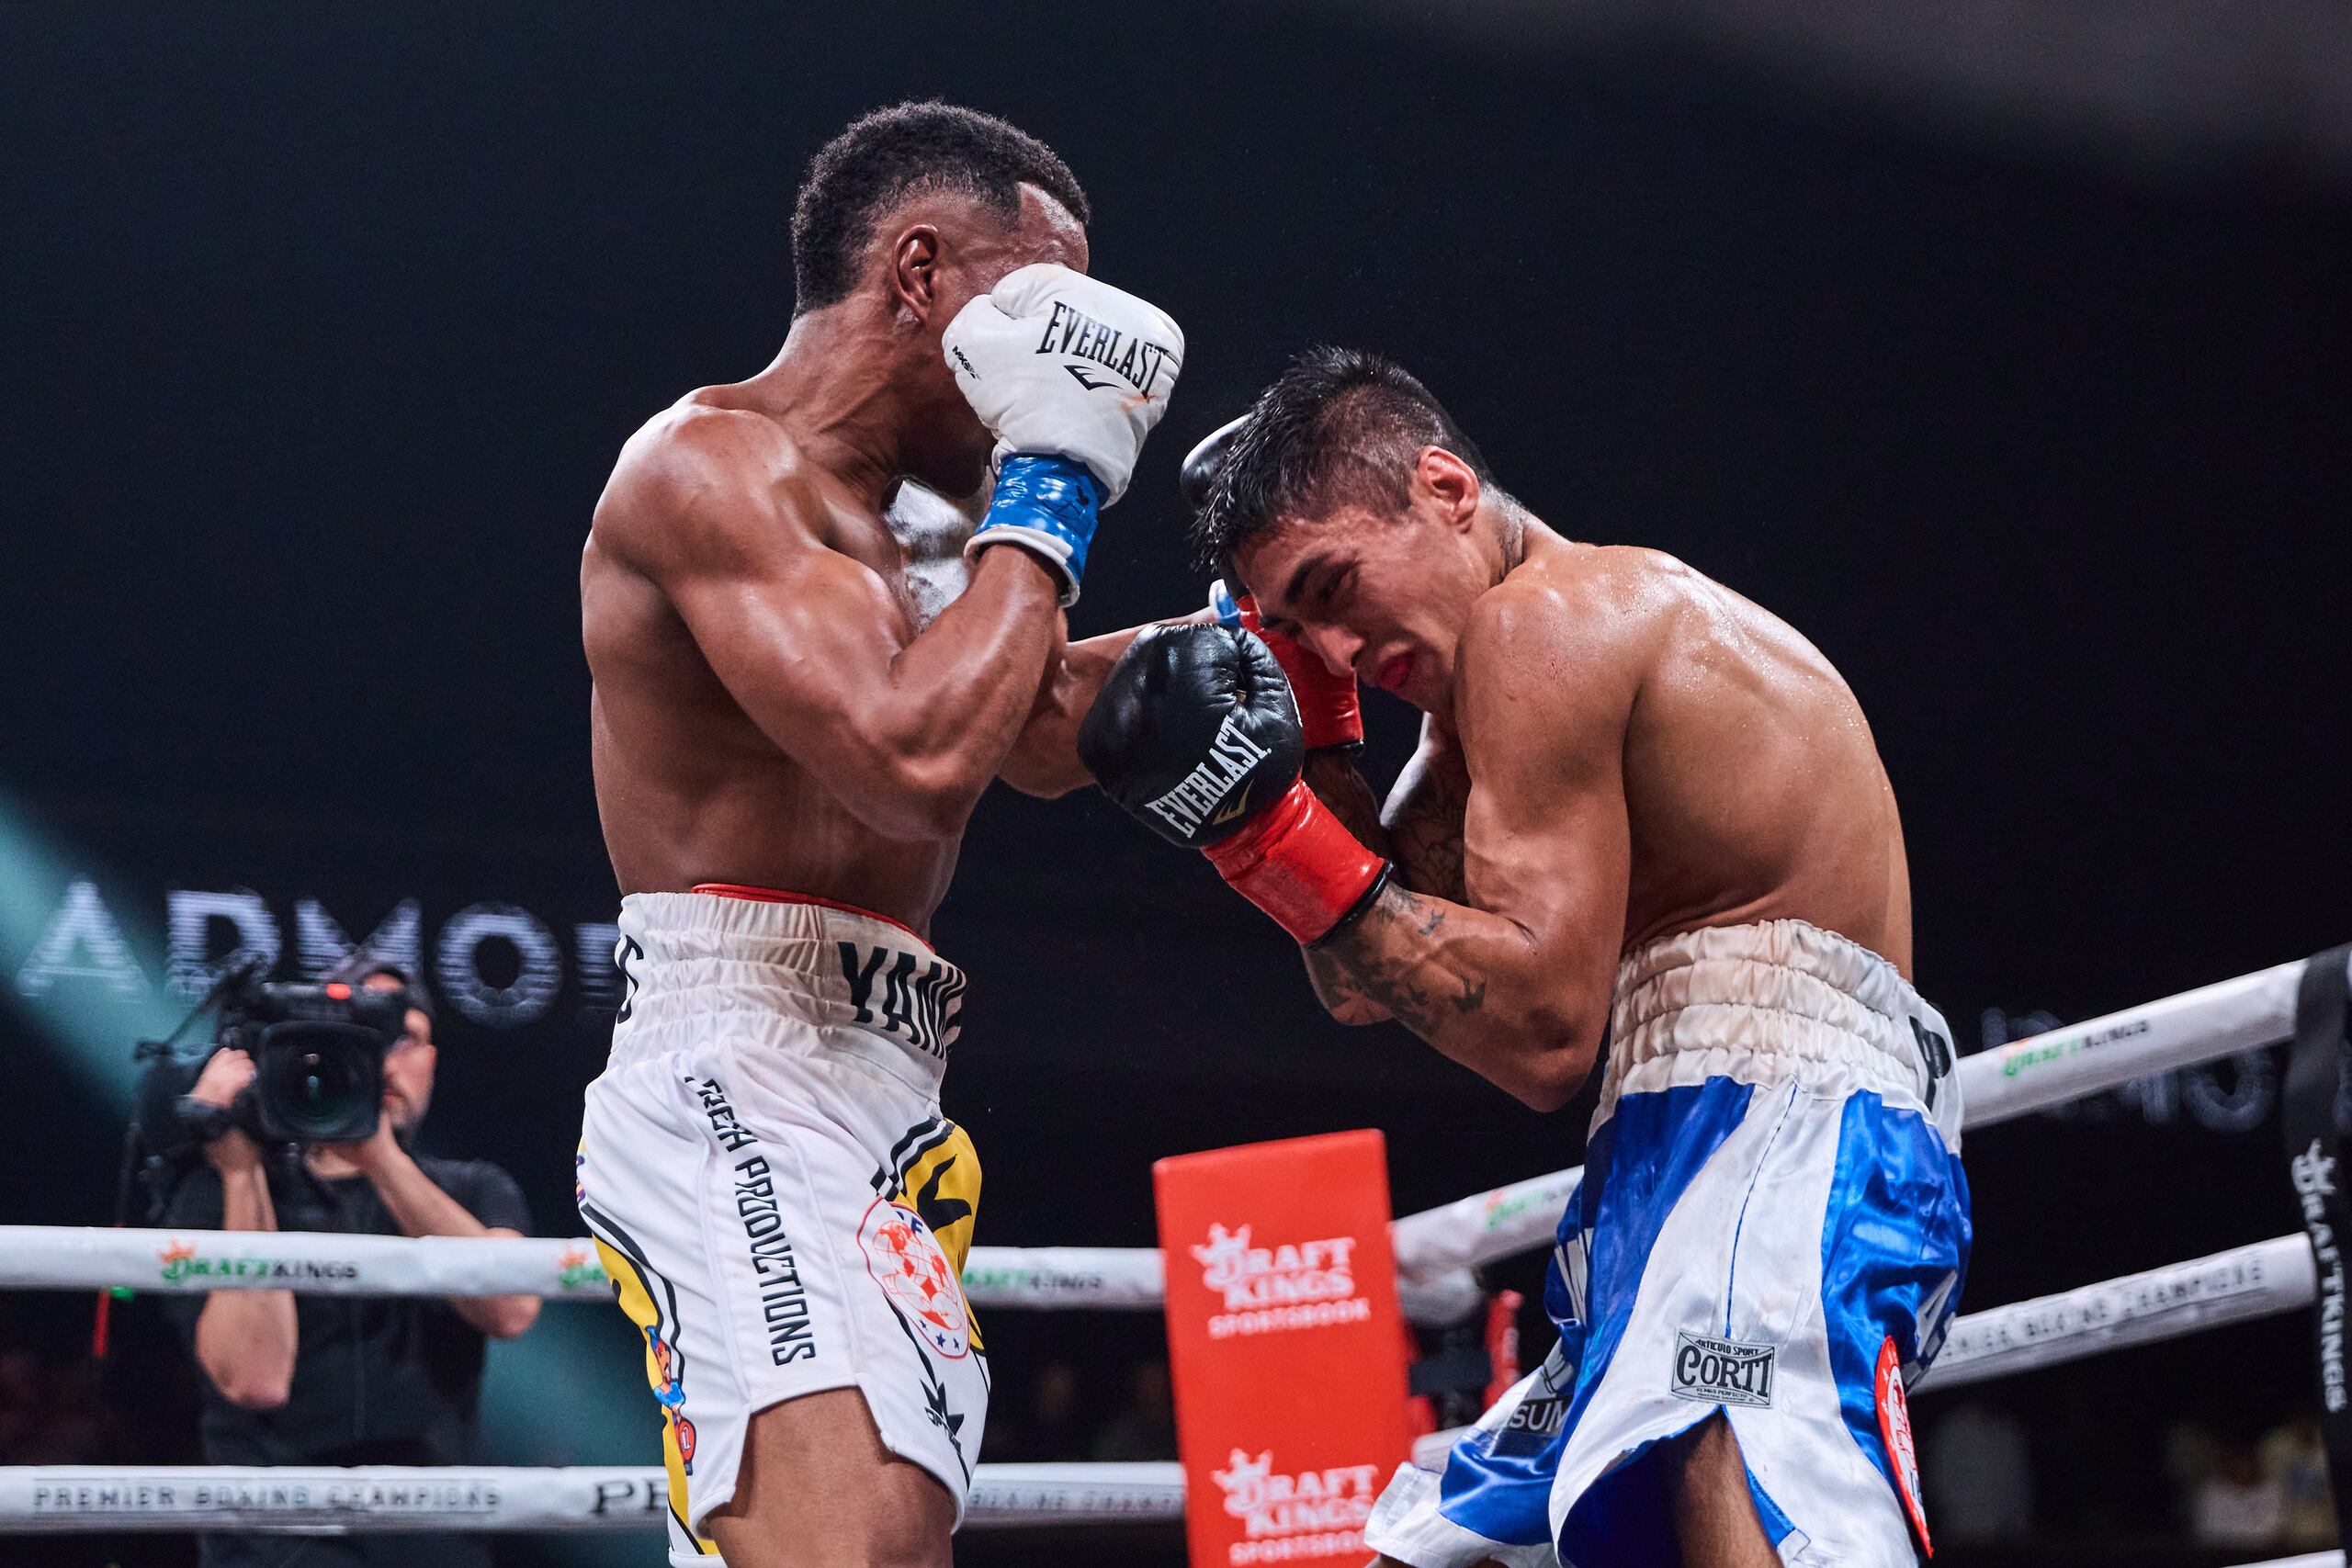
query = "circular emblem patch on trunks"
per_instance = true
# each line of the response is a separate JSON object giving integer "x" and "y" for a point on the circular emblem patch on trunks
{"x": 906, "y": 1261}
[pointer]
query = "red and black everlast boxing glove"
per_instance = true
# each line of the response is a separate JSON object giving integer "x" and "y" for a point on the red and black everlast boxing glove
{"x": 1195, "y": 734}
{"x": 1328, "y": 706}
{"x": 1330, "y": 711}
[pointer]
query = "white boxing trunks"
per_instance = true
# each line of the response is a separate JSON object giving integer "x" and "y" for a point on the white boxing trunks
{"x": 1774, "y": 1224}
{"x": 771, "y": 1186}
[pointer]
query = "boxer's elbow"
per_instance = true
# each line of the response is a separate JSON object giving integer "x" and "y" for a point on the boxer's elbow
{"x": 917, "y": 798}
{"x": 1554, "y": 1059}
{"x": 1048, "y": 777}
{"x": 1550, "y": 1082}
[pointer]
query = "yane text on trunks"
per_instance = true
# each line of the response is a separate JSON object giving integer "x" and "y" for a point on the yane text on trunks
{"x": 1132, "y": 359}
{"x": 920, "y": 1000}
{"x": 1231, "y": 755}
{"x": 784, "y": 1300}
{"x": 1722, "y": 1372}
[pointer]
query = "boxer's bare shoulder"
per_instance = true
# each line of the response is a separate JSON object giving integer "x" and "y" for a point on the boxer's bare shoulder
{"x": 699, "y": 477}
{"x": 1751, "y": 781}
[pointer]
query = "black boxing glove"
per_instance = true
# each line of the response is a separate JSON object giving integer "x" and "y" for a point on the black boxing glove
{"x": 1200, "y": 464}
{"x": 1195, "y": 734}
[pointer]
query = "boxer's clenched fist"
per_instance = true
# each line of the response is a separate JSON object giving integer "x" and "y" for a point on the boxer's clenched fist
{"x": 1195, "y": 734}
{"x": 1195, "y": 726}
{"x": 1330, "y": 710}
{"x": 1057, "y": 363}
{"x": 1069, "y": 375}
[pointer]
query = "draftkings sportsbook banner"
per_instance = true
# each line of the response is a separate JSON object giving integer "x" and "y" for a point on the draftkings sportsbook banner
{"x": 1286, "y": 1345}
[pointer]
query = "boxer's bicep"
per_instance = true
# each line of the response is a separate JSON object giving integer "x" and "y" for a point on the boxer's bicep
{"x": 801, "y": 636}
{"x": 1547, "y": 846}
{"x": 1423, "y": 816}
{"x": 1513, "y": 979}
{"x": 812, "y": 646}
{"x": 1546, "y": 841}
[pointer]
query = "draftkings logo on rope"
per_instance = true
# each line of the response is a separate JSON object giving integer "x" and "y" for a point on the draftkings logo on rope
{"x": 1314, "y": 1513}
{"x": 1304, "y": 1284}
{"x": 576, "y": 1268}
{"x": 181, "y": 1261}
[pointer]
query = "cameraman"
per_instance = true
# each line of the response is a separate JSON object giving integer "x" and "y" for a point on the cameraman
{"x": 318, "y": 1380}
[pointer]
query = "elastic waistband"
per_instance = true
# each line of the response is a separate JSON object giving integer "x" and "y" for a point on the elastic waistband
{"x": 696, "y": 964}
{"x": 750, "y": 895}
{"x": 1776, "y": 999}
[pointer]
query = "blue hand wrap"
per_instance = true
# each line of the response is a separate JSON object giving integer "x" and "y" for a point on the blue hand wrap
{"x": 1049, "y": 503}
{"x": 1222, "y": 604}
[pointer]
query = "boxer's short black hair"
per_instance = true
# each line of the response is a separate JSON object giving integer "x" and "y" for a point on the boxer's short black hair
{"x": 892, "y": 153}
{"x": 1340, "y": 427}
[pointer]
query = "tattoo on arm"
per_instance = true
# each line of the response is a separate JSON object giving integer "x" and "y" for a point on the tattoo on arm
{"x": 1424, "y": 828}
{"x": 1332, "y": 775}
{"x": 1359, "y": 967}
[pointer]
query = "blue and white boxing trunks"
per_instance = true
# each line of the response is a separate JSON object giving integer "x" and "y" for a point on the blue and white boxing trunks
{"x": 1774, "y": 1224}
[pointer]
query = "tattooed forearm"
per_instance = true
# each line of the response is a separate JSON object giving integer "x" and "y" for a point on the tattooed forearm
{"x": 1383, "y": 960}
{"x": 1332, "y": 775}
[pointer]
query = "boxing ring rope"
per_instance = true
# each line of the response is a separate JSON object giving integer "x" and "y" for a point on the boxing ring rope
{"x": 1436, "y": 1251}
{"x": 1433, "y": 1247}
{"x": 378, "y": 1499}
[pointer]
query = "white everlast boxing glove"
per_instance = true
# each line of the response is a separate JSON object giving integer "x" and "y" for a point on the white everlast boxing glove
{"x": 1070, "y": 375}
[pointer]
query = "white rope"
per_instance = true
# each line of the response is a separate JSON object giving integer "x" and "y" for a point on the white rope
{"x": 326, "y": 1263}
{"x": 2162, "y": 1303}
{"x": 2202, "y": 1025}
{"x": 1113, "y": 1277}
{"x": 294, "y": 1500}
{"x": 57, "y": 1257}
{"x": 2244, "y": 1282}
{"x": 1484, "y": 1226}
{"x": 1434, "y": 1247}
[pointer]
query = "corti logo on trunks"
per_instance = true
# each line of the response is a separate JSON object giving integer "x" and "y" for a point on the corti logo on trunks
{"x": 1304, "y": 1284}
{"x": 784, "y": 1300}
{"x": 922, "y": 999}
{"x": 1231, "y": 756}
{"x": 1722, "y": 1372}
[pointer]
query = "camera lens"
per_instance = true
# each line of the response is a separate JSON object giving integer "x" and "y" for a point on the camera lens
{"x": 320, "y": 1083}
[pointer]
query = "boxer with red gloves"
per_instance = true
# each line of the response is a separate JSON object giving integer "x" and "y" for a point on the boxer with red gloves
{"x": 1196, "y": 732}
{"x": 1643, "y": 810}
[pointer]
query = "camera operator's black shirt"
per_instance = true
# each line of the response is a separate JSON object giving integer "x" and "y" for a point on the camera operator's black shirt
{"x": 378, "y": 1380}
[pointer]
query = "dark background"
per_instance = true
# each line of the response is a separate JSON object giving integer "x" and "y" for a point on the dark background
{"x": 322, "y": 325}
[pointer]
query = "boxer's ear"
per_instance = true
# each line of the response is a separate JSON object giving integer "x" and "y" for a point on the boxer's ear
{"x": 916, "y": 264}
{"x": 1452, "y": 484}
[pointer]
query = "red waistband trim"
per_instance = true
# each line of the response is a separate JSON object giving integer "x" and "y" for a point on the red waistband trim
{"x": 776, "y": 895}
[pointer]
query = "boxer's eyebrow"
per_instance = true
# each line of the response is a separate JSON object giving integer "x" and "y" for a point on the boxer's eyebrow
{"x": 1296, "y": 589}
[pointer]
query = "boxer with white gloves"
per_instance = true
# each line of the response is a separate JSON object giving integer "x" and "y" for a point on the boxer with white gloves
{"x": 794, "y": 713}
{"x": 1070, "y": 375}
